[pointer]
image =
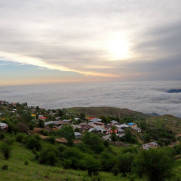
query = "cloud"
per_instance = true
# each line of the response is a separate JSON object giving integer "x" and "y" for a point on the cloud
{"x": 144, "y": 96}
{"x": 74, "y": 36}
{"x": 40, "y": 63}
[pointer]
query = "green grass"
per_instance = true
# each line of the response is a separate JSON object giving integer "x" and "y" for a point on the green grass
{"x": 18, "y": 171}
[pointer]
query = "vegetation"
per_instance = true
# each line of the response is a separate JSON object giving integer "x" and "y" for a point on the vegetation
{"x": 40, "y": 156}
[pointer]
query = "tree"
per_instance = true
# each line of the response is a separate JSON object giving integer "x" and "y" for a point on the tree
{"x": 94, "y": 141}
{"x": 107, "y": 160}
{"x": 22, "y": 127}
{"x": 124, "y": 163}
{"x": 41, "y": 123}
{"x": 92, "y": 165}
{"x": 155, "y": 164}
{"x": 68, "y": 133}
{"x": 32, "y": 143}
{"x": 6, "y": 150}
{"x": 48, "y": 156}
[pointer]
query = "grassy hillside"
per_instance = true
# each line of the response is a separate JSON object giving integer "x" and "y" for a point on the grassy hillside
{"x": 17, "y": 170}
{"x": 106, "y": 111}
{"x": 168, "y": 122}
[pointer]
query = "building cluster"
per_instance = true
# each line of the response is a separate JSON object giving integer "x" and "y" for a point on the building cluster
{"x": 52, "y": 119}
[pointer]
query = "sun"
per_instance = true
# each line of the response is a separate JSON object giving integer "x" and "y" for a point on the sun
{"x": 119, "y": 48}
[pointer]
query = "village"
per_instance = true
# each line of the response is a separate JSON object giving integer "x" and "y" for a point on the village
{"x": 52, "y": 120}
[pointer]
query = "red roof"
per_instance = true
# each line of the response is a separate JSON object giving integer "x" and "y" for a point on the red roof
{"x": 42, "y": 117}
{"x": 115, "y": 131}
{"x": 91, "y": 118}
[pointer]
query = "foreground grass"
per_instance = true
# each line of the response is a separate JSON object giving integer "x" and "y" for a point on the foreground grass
{"x": 18, "y": 171}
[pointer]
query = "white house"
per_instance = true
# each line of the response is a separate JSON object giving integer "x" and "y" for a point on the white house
{"x": 3, "y": 126}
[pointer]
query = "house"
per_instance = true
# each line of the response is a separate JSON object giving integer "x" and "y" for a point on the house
{"x": 147, "y": 146}
{"x": 113, "y": 122}
{"x": 84, "y": 126}
{"x": 120, "y": 130}
{"x": 122, "y": 126}
{"x": 107, "y": 137}
{"x": 98, "y": 129}
{"x": 132, "y": 125}
{"x": 138, "y": 130}
{"x": 66, "y": 121}
{"x": 95, "y": 120}
{"x": 77, "y": 135}
{"x": 3, "y": 126}
{"x": 77, "y": 119}
{"x": 43, "y": 118}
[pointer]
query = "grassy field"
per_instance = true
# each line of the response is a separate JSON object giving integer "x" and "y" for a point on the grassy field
{"x": 18, "y": 171}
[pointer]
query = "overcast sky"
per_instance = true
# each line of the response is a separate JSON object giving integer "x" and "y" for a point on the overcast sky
{"x": 47, "y": 41}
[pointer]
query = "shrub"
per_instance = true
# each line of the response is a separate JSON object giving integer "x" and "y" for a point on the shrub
{"x": 44, "y": 132}
{"x": 48, "y": 156}
{"x": 26, "y": 163}
{"x": 67, "y": 164}
{"x": 51, "y": 139}
{"x": 94, "y": 141}
{"x": 4, "y": 167}
{"x": 20, "y": 137}
{"x": 9, "y": 140}
{"x": 32, "y": 143}
{"x": 6, "y": 150}
{"x": 2, "y": 136}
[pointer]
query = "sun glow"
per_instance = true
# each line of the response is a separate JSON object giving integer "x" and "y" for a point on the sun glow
{"x": 119, "y": 48}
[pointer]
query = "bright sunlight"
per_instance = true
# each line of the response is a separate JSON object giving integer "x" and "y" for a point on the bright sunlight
{"x": 119, "y": 48}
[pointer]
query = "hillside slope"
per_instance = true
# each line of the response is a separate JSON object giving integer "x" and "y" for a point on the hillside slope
{"x": 106, "y": 111}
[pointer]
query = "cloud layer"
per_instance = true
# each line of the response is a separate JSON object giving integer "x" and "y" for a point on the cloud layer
{"x": 144, "y": 96}
{"x": 74, "y": 36}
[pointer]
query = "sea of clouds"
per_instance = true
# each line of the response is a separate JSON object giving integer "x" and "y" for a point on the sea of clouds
{"x": 144, "y": 96}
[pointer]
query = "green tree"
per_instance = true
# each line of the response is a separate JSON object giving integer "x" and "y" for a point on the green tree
{"x": 107, "y": 160}
{"x": 155, "y": 164}
{"x": 68, "y": 133}
{"x": 94, "y": 141}
{"x": 92, "y": 165}
{"x": 124, "y": 163}
{"x": 48, "y": 156}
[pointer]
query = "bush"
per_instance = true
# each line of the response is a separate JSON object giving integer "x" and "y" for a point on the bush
{"x": 9, "y": 140}
{"x": 2, "y": 136}
{"x": 4, "y": 167}
{"x": 48, "y": 156}
{"x": 26, "y": 163}
{"x": 108, "y": 161}
{"x": 67, "y": 164}
{"x": 94, "y": 141}
{"x": 51, "y": 139}
{"x": 20, "y": 137}
{"x": 155, "y": 164}
{"x": 32, "y": 143}
{"x": 6, "y": 150}
{"x": 44, "y": 132}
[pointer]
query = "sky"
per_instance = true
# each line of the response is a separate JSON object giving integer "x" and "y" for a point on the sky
{"x": 52, "y": 41}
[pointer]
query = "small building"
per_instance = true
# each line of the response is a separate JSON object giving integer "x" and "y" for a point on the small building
{"x": 122, "y": 126}
{"x": 43, "y": 118}
{"x": 132, "y": 125}
{"x": 113, "y": 122}
{"x": 77, "y": 135}
{"x": 147, "y": 146}
{"x": 107, "y": 137}
{"x": 95, "y": 120}
{"x": 3, "y": 126}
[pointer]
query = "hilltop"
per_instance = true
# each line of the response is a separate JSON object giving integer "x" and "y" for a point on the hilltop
{"x": 107, "y": 111}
